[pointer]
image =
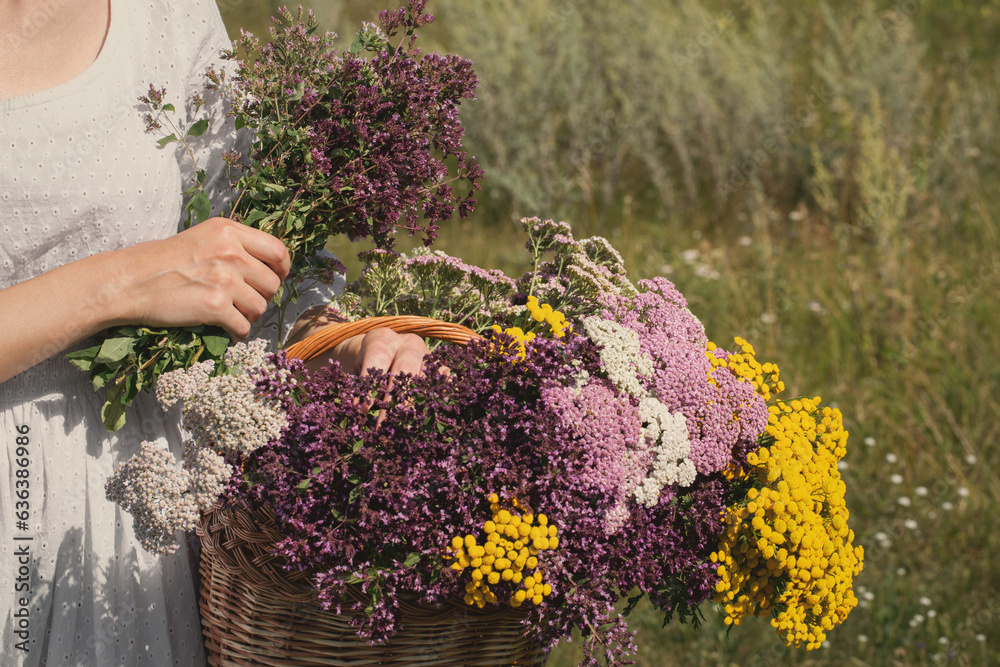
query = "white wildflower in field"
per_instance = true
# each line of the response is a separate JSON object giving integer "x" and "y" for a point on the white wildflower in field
{"x": 691, "y": 255}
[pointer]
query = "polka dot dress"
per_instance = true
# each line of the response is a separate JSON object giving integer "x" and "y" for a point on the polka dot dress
{"x": 80, "y": 175}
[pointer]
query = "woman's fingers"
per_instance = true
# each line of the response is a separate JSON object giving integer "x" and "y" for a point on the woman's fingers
{"x": 385, "y": 350}
{"x": 380, "y": 349}
{"x": 218, "y": 272}
{"x": 409, "y": 356}
{"x": 265, "y": 248}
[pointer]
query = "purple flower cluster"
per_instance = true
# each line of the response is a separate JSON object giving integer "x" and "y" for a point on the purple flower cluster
{"x": 354, "y": 142}
{"x": 360, "y": 498}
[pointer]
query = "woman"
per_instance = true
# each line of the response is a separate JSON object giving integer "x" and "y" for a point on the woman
{"x": 89, "y": 218}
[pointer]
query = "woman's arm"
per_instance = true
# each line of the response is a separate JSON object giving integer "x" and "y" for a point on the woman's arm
{"x": 219, "y": 272}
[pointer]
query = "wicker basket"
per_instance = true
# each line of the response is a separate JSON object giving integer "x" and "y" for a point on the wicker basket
{"x": 253, "y": 612}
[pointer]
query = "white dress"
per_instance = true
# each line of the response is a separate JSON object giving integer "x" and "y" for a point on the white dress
{"x": 80, "y": 175}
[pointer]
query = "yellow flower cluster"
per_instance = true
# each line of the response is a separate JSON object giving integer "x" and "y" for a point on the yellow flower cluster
{"x": 744, "y": 364}
{"x": 544, "y": 313}
{"x": 509, "y": 554}
{"x": 539, "y": 313}
{"x": 787, "y": 550}
{"x": 520, "y": 337}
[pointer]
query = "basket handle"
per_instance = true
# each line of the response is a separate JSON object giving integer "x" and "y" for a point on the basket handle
{"x": 329, "y": 337}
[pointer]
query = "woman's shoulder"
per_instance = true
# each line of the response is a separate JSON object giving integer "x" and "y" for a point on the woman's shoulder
{"x": 187, "y": 32}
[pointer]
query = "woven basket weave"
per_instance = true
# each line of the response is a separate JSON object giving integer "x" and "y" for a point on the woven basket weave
{"x": 253, "y": 612}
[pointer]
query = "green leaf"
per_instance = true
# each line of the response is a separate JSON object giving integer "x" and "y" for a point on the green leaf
{"x": 411, "y": 560}
{"x": 336, "y": 513}
{"x": 358, "y": 444}
{"x": 354, "y": 579}
{"x": 198, "y": 129}
{"x": 168, "y": 107}
{"x": 304, "y": 484}
{"x": 102, "y": 377}
{"x": 161, "y": 366}
{"x": 84, "y": 359}
{"x": 114, "y": 350}
{"x": 131, "y": 384}
{"x": 354, "y": 495}
{"x": 357, "y": 45}
{"x": 254, "y": 217}
{"x": 215, "y": 345}
{"x": 167, "y": 140}
{"x": 113, "y": 410}
{"x": 201, "y": 207}
{"x": 241, "y": 121}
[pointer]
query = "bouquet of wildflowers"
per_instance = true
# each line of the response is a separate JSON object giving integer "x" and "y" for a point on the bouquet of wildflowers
{"x": 591, "y": 445}
{"x": 355, "y": 142}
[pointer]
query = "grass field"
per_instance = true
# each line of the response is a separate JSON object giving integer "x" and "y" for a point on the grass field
{"x": 820, "y": 179}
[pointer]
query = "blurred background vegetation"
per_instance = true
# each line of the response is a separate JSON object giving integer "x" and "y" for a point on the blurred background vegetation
{"x": 819, "y": 177}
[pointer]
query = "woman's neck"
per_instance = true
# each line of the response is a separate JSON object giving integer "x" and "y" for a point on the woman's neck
{"x": 45, "y": 43}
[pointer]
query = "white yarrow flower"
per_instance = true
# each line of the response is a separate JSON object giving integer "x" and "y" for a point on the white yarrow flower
{"x": 621, "y": 353}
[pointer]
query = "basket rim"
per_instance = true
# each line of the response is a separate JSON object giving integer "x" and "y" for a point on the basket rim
{"x": 332, "y": 335}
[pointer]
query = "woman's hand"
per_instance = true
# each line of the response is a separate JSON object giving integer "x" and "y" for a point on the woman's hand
{"x": 218, "y": 272}
{"x": 382, "y": 349}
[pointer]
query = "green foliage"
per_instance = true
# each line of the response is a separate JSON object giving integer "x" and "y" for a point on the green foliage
{"x": 131, "y": 358}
